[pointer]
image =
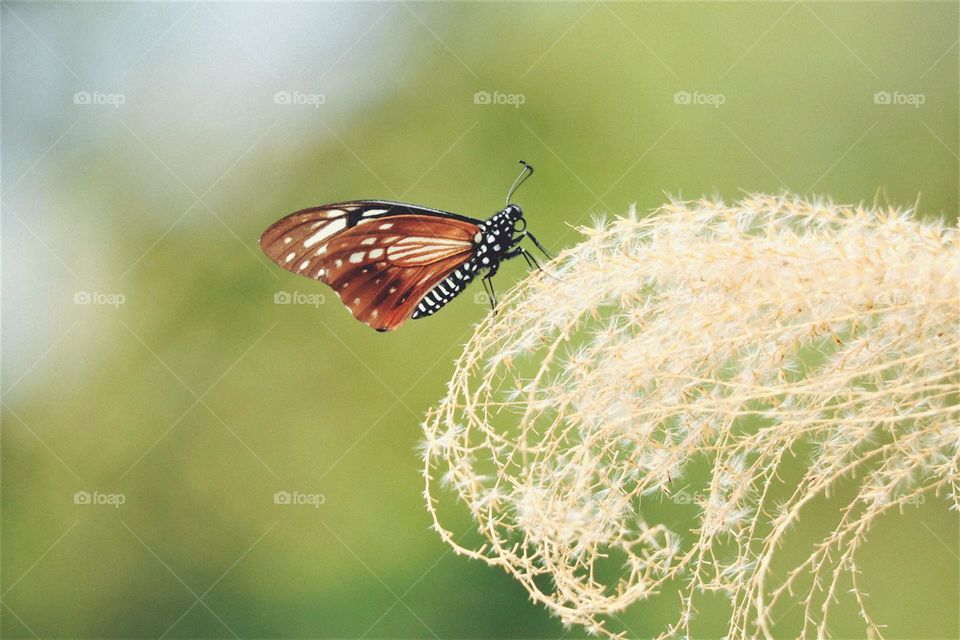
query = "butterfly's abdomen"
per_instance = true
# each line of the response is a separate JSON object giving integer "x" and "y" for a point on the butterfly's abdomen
{"x": 446, "y": 290}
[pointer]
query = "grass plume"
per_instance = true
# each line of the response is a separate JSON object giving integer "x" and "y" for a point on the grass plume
{"x": 724, "y": 338}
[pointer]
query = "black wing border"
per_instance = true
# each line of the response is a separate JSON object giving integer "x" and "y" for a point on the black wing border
{"x": 357, "y": 208}
{"x": 355, "y": 211}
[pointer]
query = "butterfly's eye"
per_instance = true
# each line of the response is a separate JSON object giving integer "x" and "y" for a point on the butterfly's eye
{"x": 519, "y": 224}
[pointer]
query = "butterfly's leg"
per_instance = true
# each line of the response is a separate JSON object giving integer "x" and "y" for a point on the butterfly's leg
{"x": 488, "y": 282}
{"x": 520, "y": 251}
{"x": 531, "y": 261}
{"x": 488, "y": 288}
{"x": 538, "y": 245}
{"x": 526, "y": 234}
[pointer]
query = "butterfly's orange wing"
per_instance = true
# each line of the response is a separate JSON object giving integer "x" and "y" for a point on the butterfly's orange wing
{"x": 381, "y": 258}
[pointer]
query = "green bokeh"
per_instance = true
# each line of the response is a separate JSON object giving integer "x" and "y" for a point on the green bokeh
{"x": 198, "y": 398}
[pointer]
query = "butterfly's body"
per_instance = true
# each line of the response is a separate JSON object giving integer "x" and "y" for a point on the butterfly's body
{"x": 390, "y": 261}
{"x": 493, "y": 243}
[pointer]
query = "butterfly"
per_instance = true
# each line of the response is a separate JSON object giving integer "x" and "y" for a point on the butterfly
{"x": 391, "y": 261}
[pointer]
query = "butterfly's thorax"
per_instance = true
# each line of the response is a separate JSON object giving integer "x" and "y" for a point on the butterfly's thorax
{"x": 493, "y": 239}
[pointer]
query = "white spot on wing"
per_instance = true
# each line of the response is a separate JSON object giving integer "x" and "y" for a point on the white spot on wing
{"x": 422, "y": 250}
{"x": 373, "y": 212}
{"x": 386, "y": 225}
{"x": 356, "y": 257}
{"x": 290, "y": 257}
{"x": 326, "y": 232}
{"x": 376, "y": 253}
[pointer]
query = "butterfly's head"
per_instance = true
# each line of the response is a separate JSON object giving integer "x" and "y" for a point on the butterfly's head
{"x": 511, "y": 218}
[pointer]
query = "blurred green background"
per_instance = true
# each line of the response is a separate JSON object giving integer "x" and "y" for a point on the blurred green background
{"x": 146, "y": 146}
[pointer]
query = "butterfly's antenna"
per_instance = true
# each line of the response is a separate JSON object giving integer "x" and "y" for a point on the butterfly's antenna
{"x": 525, "y": 173}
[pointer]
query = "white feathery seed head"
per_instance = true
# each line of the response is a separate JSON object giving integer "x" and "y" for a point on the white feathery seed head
{"x": 686, "y": 358}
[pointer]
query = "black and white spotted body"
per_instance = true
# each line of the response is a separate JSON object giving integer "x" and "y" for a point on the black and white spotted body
{"x": 495, "y": 241}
